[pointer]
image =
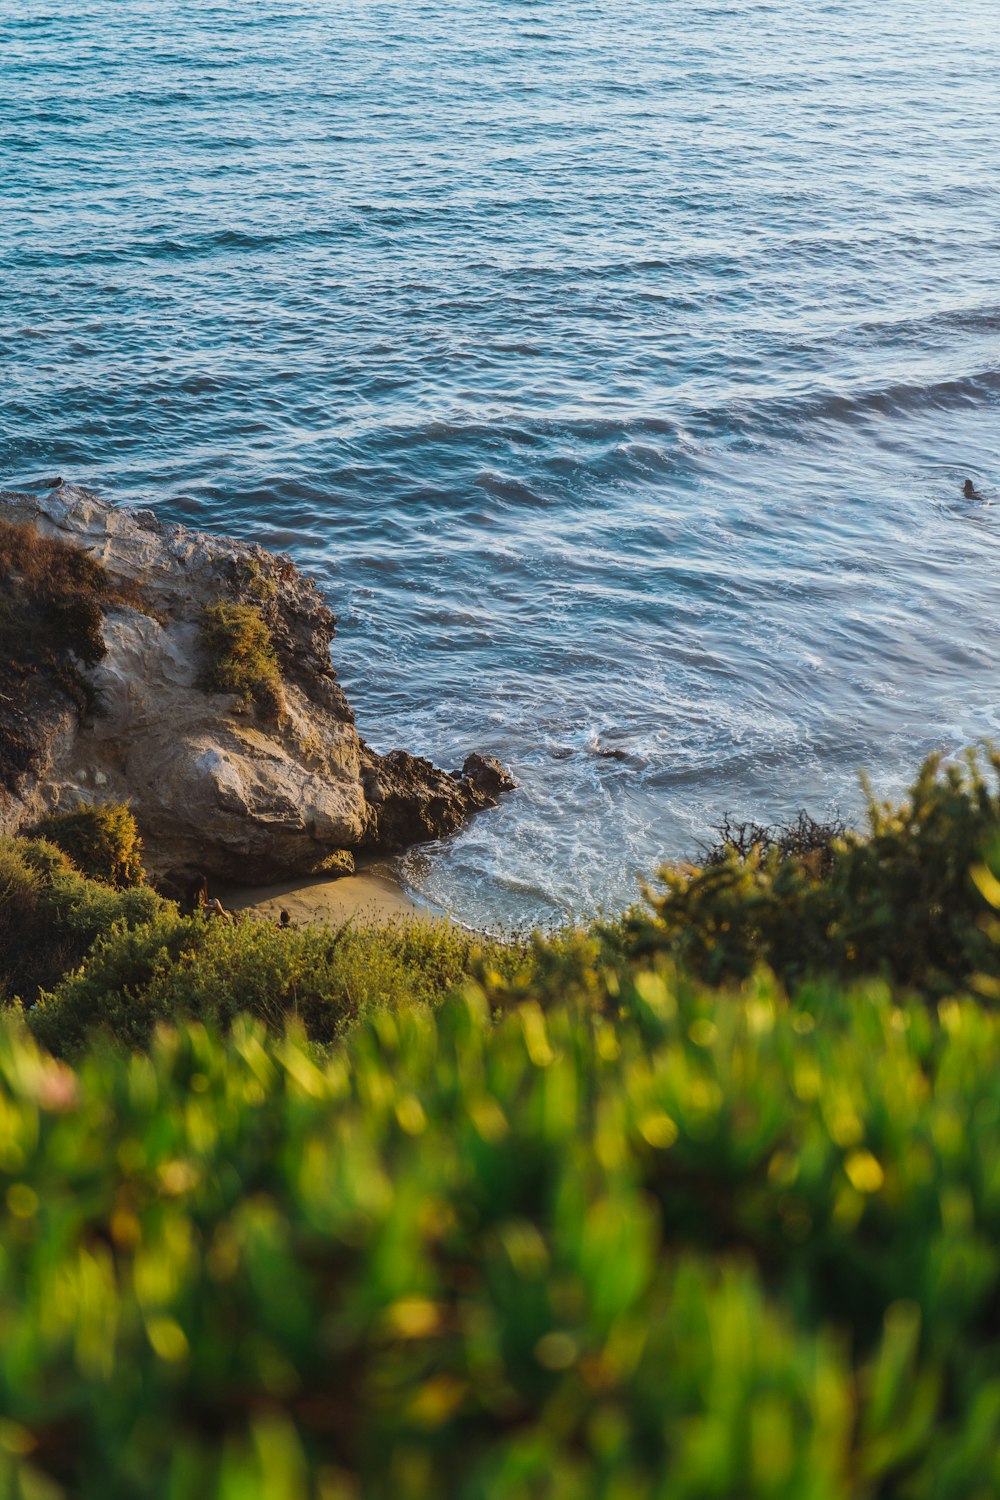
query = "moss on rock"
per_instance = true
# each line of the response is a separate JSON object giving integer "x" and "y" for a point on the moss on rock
{"x": 238, "y": 656}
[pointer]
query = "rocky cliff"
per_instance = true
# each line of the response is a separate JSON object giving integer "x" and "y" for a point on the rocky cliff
{"x": 246, "y": 765}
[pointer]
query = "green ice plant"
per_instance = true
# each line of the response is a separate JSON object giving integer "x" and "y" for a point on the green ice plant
{"x": 675, "y": 1244}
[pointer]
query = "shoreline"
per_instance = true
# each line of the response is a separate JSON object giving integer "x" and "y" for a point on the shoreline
{"x": 372, "y": 897}
{"x": 264, "y": 776}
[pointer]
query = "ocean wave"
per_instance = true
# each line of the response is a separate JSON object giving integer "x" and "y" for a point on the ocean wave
{"x": 798, "y": 415}
{"x": 192, "y": 247}
{"x": 598, "y": 410}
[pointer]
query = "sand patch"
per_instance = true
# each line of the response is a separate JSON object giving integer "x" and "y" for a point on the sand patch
{"x": 371, "y": 897}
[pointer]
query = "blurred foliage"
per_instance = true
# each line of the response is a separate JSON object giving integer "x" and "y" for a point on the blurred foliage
{"x": 238, "y": 656}
{"x": 50, "y": 915}
{"x": 676, "y": 1244}
{"x": 899, "y": 900}
{"x": 206, "y": 968}
{"x": 102, "y": 840}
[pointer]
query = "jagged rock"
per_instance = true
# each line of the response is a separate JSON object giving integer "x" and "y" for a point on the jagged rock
{"x": 413, "y": 801}
{"x": 217, "y": 787}
{"x": 484, "y": 778}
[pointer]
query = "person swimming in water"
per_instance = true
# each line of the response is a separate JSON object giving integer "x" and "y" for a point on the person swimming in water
{"x": 970, "y": 492}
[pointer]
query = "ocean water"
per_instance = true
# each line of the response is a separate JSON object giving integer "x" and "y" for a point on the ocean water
{"x": 615, "y": 366}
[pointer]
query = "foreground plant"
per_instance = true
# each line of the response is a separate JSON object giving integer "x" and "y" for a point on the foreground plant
{"x": 674, "y": 1244}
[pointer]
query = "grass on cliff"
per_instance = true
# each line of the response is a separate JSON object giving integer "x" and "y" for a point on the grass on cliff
{"x": 53, "y": 597}
{"x": 238, "y": 656}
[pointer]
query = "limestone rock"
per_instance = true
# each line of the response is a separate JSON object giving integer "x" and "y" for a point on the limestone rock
{"x": 215, "y": 786}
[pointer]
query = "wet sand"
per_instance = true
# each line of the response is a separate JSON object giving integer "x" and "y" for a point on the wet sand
{"x": 371, "y": 897}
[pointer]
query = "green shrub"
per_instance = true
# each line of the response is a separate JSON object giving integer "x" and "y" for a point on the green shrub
{"x": 50, "y": 915}
{"x": 176, "y": 967}
{"x": 238, "y": 656}
{"x": 669, "y": 1246}
{"x": 102, "y": 840}
{"x": 899, "y": 901}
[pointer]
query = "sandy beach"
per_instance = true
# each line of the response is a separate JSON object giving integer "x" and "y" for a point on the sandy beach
{"x": 372, "y": 897}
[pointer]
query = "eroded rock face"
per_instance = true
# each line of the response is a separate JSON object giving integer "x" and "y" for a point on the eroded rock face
{"x": 216, "y": 788}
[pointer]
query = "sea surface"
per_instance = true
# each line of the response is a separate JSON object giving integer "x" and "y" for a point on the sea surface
{"x": 615, "y": 366}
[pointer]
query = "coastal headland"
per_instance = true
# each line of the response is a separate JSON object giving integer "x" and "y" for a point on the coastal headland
{"x": 191, "y": 677}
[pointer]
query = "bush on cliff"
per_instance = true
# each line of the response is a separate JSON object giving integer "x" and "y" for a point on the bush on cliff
{"x": 668, "y": 1245}
{"x": 907, "y": 900}
{"x": 238, "y": 656}
{"x": 101, "y": 839}
{"x": 176, "y": 967}
{"x": 50, "y": 915}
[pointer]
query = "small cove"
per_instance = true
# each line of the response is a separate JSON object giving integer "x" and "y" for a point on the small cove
{"x": 622, "y": 411}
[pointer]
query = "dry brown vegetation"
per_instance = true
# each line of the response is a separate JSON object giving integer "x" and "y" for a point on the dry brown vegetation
{"x": 53, "y": 597}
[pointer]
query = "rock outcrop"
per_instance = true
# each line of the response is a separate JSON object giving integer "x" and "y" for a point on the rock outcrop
{"x": 218, "y": 785}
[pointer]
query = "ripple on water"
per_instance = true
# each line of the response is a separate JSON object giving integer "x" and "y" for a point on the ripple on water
{"x": 616, "y": 373}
